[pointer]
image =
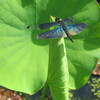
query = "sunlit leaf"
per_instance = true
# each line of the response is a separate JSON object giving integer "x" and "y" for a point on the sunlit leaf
{"x": 24, "y": 59}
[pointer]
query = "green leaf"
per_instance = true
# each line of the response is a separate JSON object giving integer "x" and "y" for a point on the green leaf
{"x": 23, "y": 63}
{"x": 24, "y": 59}
{"x": 84, "y": 53}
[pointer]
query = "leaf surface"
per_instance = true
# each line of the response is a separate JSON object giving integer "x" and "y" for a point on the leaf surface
{"x": 24, "y": 59}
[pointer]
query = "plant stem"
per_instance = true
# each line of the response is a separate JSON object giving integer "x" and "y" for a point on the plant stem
{"x": 58, "y": 78}
{"x": 44, "y": 91}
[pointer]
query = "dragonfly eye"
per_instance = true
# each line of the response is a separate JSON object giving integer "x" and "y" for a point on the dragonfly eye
{"x": 57, "y": 19}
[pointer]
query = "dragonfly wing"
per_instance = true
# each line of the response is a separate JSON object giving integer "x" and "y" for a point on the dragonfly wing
{"x": 55, "y": 33}
{"x": 47, "y": 25}
{"x": 76, "y": 28}
{"x": 68, "y": 20}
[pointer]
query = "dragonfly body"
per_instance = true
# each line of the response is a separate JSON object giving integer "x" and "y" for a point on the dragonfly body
{"x": 62, "y": 30}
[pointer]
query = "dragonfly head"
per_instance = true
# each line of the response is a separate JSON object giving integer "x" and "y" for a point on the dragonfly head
{"x": 57, "y": 19}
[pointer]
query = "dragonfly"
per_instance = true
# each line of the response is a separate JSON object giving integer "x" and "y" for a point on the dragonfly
{"x": 63, "y": 29}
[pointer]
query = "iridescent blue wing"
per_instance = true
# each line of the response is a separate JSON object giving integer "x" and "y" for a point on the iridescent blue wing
{"x": 76, "y": 28}
{"x": 47, "y": 25}
{"x": 59, "y": 32}
{"x": 55, "y": 33}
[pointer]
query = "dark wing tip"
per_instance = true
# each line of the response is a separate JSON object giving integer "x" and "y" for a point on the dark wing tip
{"x": 71, "y": 18}
{"x": 37, "y": 37}
{"x": 83, "y": 25}
{"x": 41, "y": 26}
